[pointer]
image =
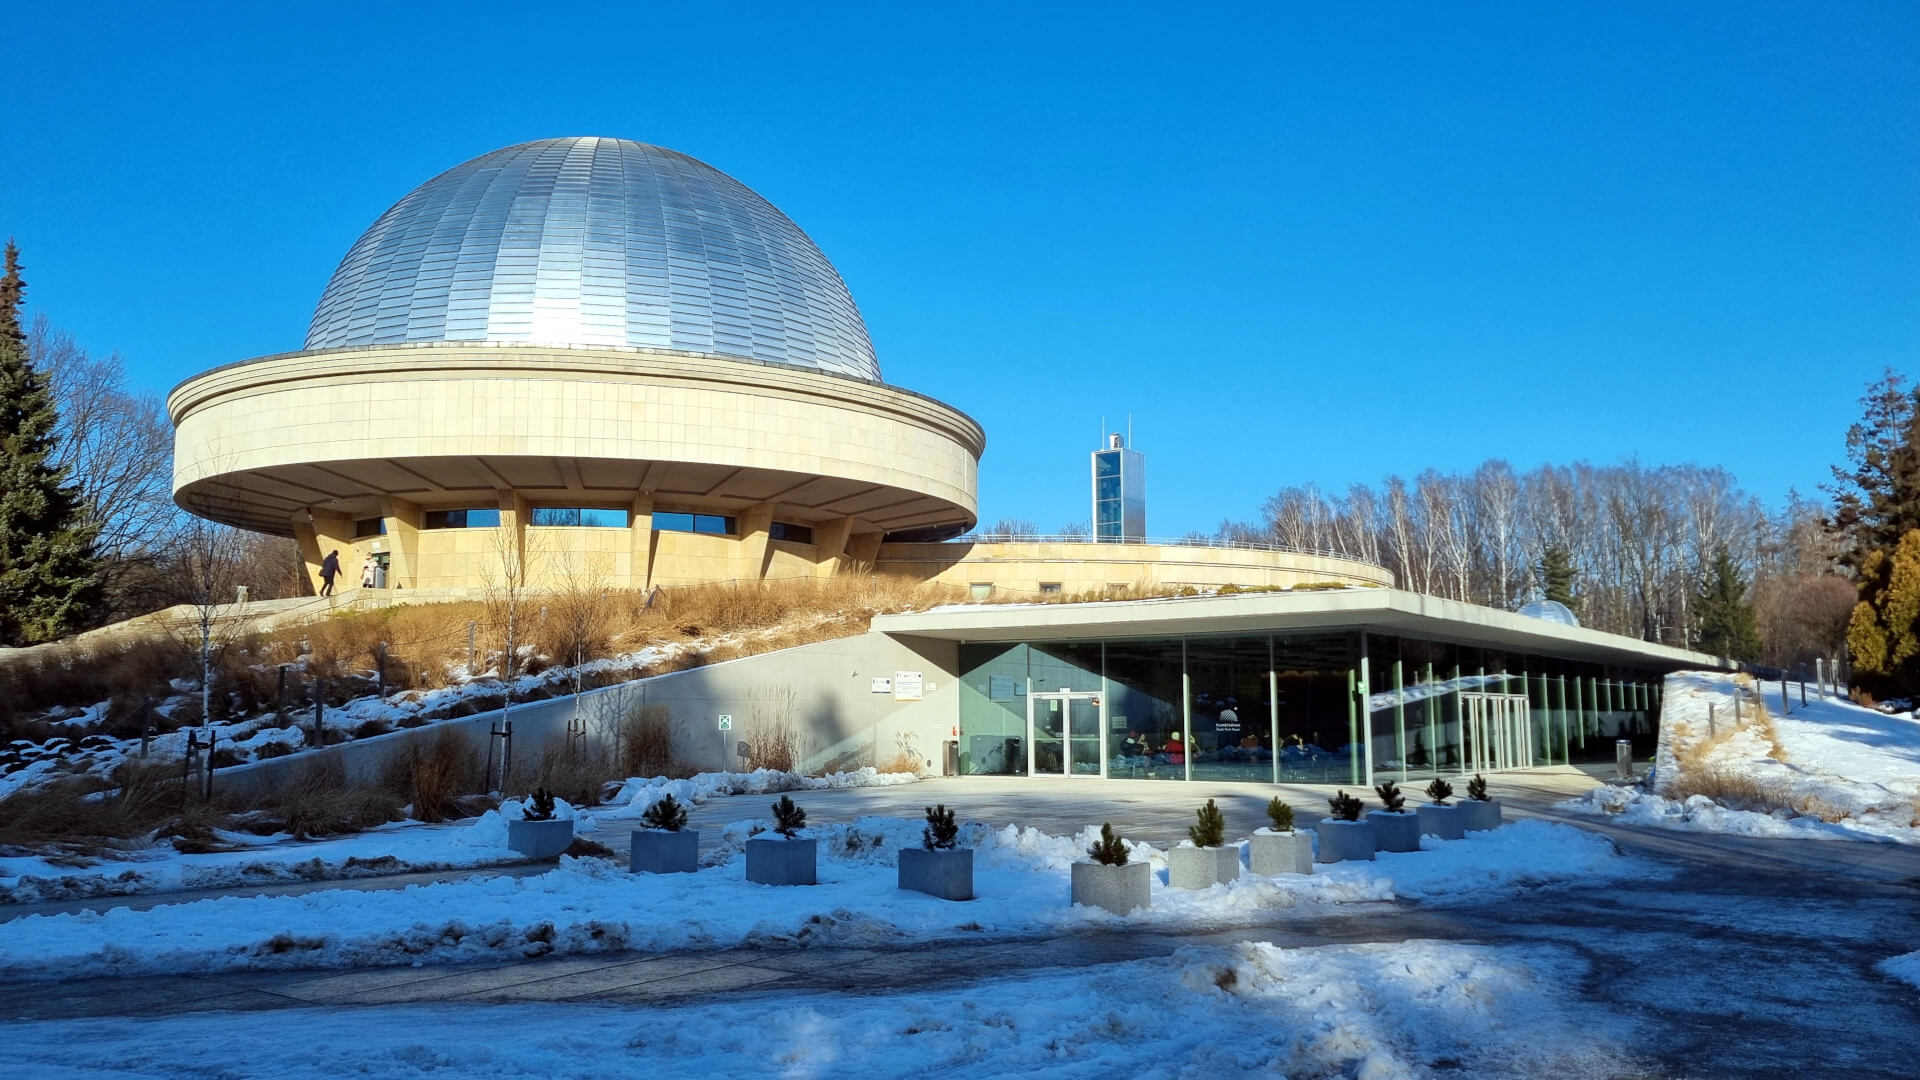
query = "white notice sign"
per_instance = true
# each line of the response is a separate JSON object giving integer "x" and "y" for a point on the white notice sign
{"x": 726, "y": 721}
{"x": 908, "y": 685}
{"x": 882, "y": 685}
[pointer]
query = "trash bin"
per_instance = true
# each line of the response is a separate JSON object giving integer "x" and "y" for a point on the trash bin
{"x": 1623, "y": 758}
{"x": 953, "y": 758}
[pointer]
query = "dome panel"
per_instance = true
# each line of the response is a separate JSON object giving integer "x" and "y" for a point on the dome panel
{"x": 1551, "y": 611}
{"x": 591, "y": 241}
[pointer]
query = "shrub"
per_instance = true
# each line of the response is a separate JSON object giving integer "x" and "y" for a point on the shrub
{"x": 539, "y": 806}
{"x": 788, "y": 818}
{"x": 367, "y": 729}
{"x": 1345, "y": 807}
{"x": 1390, "y": 797}
{"x": 646, "y": 741}
{"x": 1477, "y": 788}
{"x": 1280, "y": 814}
{"x": 1109, "y": 850}
{"x": 1439, "y": 791}
{"x": 665, "y": 814}
{"x": 316, "y": 801}
{"x": 942, "y": 832}
{"x": 432, "y": 776}
{"x": 1211, "y": 830}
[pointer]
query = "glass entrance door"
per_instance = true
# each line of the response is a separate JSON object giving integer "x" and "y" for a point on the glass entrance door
{"x": 1063, "y": 730}
{"x": 1498, "y": 731}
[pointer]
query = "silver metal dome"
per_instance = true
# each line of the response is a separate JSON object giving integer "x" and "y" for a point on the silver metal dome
{"x": 589, "y": 241}
{"x": 1552, "y": 611}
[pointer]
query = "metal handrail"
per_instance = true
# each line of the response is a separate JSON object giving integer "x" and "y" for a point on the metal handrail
{"x": 1146, "y": 541}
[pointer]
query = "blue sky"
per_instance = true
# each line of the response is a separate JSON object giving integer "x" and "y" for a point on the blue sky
{"x": 1295, "y": 244}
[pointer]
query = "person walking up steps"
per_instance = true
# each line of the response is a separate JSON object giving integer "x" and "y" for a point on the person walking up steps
{"x": 329, "y": 569}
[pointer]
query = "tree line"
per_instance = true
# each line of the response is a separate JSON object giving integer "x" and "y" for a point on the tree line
{"x": 89, "y": 533}
{"x": 1677, "y": 554}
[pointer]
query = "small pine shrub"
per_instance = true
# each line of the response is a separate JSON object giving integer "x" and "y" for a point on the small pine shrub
{"x": 942, "y": 832}
{"x": 1345, "y": 807}
{"x": 1211, "y": 831}
{"x": 788, "y": 818}
{"x": 1477, "y": 788}
{"x": 1280, "y": 814}
{"x": 540, "y": 806}
{"x": 1109, "y": 850}
{"x": 1439, "y": 791}
{"x": 1390, "y": 797}
{"x": 666, "y": 814}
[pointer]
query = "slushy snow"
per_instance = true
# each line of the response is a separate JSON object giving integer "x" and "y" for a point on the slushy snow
{"x": 1372, "y": 1012}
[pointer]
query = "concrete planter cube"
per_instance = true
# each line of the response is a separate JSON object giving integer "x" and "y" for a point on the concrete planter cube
{"x": 540, "y": 839}
{"x": 1481, "y": 814}
{"x": 1270, "y": 853}
{"x": 1119, "y": 889}
{"x": 1395, "y": 831}
{"x": 1444, "y": 822}
{"x": 1202, "y": 867}
{"x": 658, "y": 851}
{"x": 1345, "y": 841}
{"x": 780, "y": 861}
{"x": 945, "y": 874}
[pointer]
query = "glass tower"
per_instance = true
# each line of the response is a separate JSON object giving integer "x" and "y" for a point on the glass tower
{"x": 1119, "y": 493}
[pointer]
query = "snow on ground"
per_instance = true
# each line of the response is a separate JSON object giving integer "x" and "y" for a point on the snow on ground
{"x": 1905, "y": 967}
{"x": 1372, "y": 1012}
{"x": 592, "y": 905}
{"x": 260, "y": 860}
{"x": 391, "y": 849}
{"x": 1828, "y": 770}
{"x": 639, "y": 793}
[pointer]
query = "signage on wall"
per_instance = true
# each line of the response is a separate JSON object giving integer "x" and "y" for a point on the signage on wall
{"x": 908, "y": 685}
{"x": 882, "y": 685}
{"x": 726, "y": 721}
{"x": 1000, "y": 688}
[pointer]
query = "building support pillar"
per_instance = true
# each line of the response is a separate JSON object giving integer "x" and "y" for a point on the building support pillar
{"x": 830, "y": 545}
{"x": 318, "y": 533}
{"x": 750, "y": 561}
{"x": 404, "y": 521}
{"x": 863, "y": 551}
{"x": 640, "y": 526}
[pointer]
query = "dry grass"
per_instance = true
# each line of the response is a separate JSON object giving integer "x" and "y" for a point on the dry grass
{"x": 314, "y": 800}
{"x": 436, "y": 777}
{"x": 772, "y": 737}
{"x": 1741, "y": 791}
{"x": 646, "y": 742}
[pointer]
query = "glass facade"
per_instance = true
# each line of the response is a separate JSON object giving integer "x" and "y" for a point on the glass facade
{"x": 1328, "y": 707}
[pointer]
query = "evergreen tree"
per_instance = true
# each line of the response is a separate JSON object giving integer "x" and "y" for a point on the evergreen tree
{"x": 1556, "y": 575}
{"x": 1877, "y": 495}
{"x": 1883, "y": 636}
{"x": 50, "y": 580}
{"x": 1727, "y": 624}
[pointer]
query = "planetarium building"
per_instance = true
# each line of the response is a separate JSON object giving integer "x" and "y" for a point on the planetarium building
{"x": 592, "y": 355}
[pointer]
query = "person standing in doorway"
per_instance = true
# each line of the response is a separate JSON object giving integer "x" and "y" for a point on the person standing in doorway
{"x": 329, "y": 569}
{"x": 366, "y": 574}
